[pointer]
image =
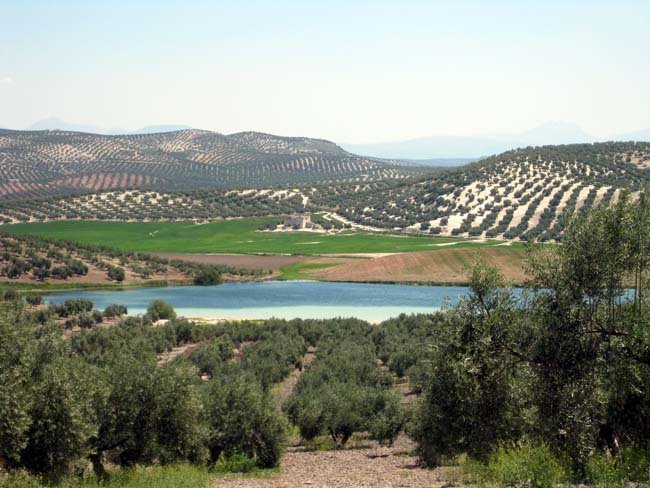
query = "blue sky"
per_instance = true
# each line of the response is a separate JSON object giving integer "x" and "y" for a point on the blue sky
{"x": 351, "y": 71}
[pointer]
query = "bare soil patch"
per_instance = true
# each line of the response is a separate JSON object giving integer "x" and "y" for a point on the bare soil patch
{"x": 283, "y": 390}
{"x": 440, "y": 266}
{"x": 236, "y": 260}
{"x": 371, "y": 466}
{"x": 185, "y": 350}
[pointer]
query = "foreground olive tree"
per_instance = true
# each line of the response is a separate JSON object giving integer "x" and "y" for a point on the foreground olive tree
{"x": 566, "y": 364}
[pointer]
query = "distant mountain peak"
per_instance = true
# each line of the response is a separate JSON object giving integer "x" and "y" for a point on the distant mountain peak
{"x": 473, "y": 147}
{"x": 555, "y": 132}
{"x": 160, "y": 128}
{"x": 56, "y": 123}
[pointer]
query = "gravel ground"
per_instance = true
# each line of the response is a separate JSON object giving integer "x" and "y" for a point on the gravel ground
{"x": 354, "y": 468}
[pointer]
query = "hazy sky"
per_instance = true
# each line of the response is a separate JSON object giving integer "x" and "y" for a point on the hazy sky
{"x": 351, "y": 71}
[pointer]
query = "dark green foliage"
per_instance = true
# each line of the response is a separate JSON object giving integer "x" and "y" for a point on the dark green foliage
{"x": 62, "y": 416}
{"x": 208, "y": 276}
{"x": 467, "y": 405}
{"x": 242, "y": 418}
{"x": 210, "y": 357}
{"x": 116, "y": 273}
{"x": 34, "y": 300}
{"x": 16, "y": 393}
{"x": 159, "y": 309}
{"x": 115, "y": 310}
{"x": 567, "y": 365}
{"x": 344, "y": 392}
{"x": 73, "y": 307}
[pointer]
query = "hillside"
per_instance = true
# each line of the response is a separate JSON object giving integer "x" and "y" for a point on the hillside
{"x": 524, "y": 193}
{"x": 519, "y": 194}
{"x": 51, "y": 163}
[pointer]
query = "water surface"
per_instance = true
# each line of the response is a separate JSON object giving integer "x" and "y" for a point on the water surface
{"x": 280, "y": 299}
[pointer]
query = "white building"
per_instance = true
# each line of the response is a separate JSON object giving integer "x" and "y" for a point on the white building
{"x": 299, "y": 222}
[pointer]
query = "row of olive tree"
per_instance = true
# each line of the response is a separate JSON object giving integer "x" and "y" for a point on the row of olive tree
{"x": 103, "y": 395}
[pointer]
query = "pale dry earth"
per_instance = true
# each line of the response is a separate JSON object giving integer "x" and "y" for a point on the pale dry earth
{"x": 372, "y": 466}
{"x": 440, "y": 266}
{"x": 248, "y": 261}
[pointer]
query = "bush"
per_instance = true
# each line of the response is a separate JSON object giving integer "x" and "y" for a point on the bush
{"x": 243, "y": 419}
{"x": 34, "y": 300}
{"x": 207, "y": 276}
{"x": 86, "y": 321}
{"x": 631, "y": 465}
{"x": 161, "y": 310}
{"x": 603, "y": 471}
{"x": 532, "y": 464}
{"x": 115, "y": 311}
{"x": 63, "y": 421}
{"x": 116, "y": 273}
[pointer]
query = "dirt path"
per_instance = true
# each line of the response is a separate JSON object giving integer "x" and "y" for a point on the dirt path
{"x": 167, "y": 356}
{"x": 366, "y": 464}
{"x": 373, "y": 466}
{"x": 283, "y": 390}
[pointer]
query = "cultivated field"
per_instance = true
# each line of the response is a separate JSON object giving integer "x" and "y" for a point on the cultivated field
{"x": 239, "y": 236}
{"x": 441, "y": 266}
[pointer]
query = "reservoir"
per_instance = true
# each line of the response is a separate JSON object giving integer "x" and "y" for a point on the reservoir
{"x": 279, "y": 299}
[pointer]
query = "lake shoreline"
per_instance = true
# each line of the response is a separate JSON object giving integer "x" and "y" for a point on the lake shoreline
{"x": 264, "y": 300}
{"x": 85, "y": 286}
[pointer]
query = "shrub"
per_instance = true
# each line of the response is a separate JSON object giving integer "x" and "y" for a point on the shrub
{"x": 116, "y": 273}
{"x": 86, "y": 321}
{"x": 207, "y": 276}
{"x": 243, "y": 419}
{"x": 636, "y": 464}
{"x": 532, "y": 464}
{"x": 115, "y": 310}
{"x": 34, "y": 300}
{"x": 159, "y": 309}
{"x": 631, "y": 465}
{"x": 603, "y": 471}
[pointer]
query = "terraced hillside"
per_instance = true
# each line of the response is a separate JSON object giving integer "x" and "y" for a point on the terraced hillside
{"x": 521, "y": 194}
{"x": 524, "y": 193}
{"x": 153, "y": 205}
{"x": 49, "y": 163}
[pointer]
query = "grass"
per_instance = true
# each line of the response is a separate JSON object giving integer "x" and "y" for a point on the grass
{"x": 179, "y": 476}
{"x": 232, "y": 236}
{"x": 175, "y": 476}
{"x": 301, "y": 271}
{"x": 46, "y": 287}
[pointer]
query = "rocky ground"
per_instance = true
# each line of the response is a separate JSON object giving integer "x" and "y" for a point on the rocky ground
{"x": 370, "y": 465}
{"x": 362, "y": 464}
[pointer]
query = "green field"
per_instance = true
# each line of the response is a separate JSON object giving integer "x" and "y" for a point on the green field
{"x": 233, "y": 236}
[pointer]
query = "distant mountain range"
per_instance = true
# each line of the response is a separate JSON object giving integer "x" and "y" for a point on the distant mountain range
{"x": 54, "y": 123}
{"x": 439, "y": 151}
{"x": 467, "y": 148}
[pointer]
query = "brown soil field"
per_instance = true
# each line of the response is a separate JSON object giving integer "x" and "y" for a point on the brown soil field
{"x": 440, "y": 266}
{"x": 236, "y": 260}
{"x": 367, "y": 465}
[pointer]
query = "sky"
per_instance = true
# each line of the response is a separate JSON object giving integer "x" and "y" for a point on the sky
{"x": 350, "y": 71}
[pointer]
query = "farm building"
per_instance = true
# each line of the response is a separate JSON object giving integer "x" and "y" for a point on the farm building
{"x": 299, "y": 222}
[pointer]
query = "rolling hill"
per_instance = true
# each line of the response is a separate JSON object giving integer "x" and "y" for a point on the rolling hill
{"x": 524, "y": 193}
{"x": 55, "y": 163}
{"x": 520, "y": 194}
